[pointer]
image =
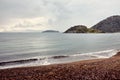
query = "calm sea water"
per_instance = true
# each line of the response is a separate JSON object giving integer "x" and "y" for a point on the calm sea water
{"x": 21, "y": 46}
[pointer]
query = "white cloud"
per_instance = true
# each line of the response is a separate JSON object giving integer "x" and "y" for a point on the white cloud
{"x": 27, "y": 24}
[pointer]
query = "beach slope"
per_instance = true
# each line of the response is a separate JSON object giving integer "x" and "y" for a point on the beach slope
{"x": 97, "y": 69}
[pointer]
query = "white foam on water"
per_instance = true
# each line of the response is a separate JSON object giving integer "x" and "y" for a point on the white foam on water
{"x": 47, "y": 60}
{"x": 99, "y": 54}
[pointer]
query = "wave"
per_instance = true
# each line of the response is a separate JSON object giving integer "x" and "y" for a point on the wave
{"x": 99, "y": 54}
{"x": 17, "y": 62}
{"x": 46, "y": 60}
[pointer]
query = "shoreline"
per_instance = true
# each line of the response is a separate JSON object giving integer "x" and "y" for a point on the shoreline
{"x": 56, "y": 59}
{"x": 95, "y": 69}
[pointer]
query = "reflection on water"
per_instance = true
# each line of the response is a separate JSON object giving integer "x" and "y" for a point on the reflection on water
{"x": 15, "y": 46}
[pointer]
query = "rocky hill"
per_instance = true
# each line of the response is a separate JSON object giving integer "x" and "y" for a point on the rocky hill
{"x": 50, "y": 31}
{"x": 109, "y": 25}
{"x": 81, "y": 29}
{"x": 77, "y": 29}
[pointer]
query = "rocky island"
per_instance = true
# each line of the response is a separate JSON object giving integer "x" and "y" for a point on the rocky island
{"x": 81, "y": 29}
{"x": 77, "y": 29}
{"x": 50, "y": 31}
{"x": 108, "y": 25}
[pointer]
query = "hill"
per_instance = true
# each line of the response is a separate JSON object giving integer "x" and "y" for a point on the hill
{"x": 81, "y": 29}
{"x": 77, "y": 29}
{"x": 50, "y": 31}
{"x": 109, "y": 25}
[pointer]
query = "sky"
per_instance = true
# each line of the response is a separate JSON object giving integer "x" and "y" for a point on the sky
{"x": 39, "y": 15}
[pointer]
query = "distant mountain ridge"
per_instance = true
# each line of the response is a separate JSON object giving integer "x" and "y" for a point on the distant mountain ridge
{"x": 81, "y": 29}
{"x": 109, "y": 25}
{"x": 50, "y": 31}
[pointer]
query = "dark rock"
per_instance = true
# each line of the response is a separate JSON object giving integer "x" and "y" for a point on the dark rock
{"x": 58, "y": 57}
{"x": 17, "y": 62}
{"x": 117, "y": 55}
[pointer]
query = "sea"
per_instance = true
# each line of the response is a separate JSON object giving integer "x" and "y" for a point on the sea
{"x": 21, "y": 49}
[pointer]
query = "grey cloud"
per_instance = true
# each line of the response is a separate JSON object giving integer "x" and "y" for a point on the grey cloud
{"x": 62, "y": 13}
{"x": 26, "y": 25}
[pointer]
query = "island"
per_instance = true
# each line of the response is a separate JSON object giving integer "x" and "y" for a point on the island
{"x": 50, "y": 31}
{"x": 108, "y": 25}
{"x": 82, "y": 29}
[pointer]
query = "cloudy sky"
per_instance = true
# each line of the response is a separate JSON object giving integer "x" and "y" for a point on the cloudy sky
{"x": 37, "y": 15}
